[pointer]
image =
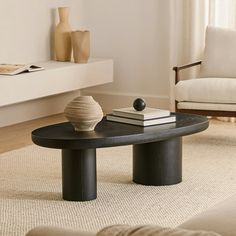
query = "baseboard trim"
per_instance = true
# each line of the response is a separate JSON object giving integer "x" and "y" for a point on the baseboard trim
{"x": 21, "y": 112}
{"x": 108, "y": 101}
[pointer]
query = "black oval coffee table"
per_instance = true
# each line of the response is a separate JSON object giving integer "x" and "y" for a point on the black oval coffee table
{"x": 157, "y": 151}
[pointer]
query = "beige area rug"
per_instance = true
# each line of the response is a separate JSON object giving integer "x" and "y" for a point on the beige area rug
{"x": 30, "y": 186}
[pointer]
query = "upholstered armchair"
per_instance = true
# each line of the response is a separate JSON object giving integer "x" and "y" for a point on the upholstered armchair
{"x": 214, "y": 92}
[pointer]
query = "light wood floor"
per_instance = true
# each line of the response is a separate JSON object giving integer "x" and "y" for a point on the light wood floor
{"x": 19, "y": 135}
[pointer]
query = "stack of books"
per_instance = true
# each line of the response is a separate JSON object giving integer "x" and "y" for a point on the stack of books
{"x": 147, "y": 117}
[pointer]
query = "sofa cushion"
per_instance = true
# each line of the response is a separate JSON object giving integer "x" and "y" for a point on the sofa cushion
{"x": 120, "y": 230}
{"x": 220, "y": 53}
{"x": 151, "y": 230}
{"x": 221, "y": 219}
{"x": 56, "y": 231}
{"x": 207, "y": 90}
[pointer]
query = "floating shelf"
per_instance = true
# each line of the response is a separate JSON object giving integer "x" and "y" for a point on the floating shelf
{"x": 58, "y": 77}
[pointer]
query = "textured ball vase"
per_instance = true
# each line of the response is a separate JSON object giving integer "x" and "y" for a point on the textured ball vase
{"x": 83, "y": 113}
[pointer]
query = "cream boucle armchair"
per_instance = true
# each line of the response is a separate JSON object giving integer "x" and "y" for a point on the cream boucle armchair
{"x": 214, "y": 92}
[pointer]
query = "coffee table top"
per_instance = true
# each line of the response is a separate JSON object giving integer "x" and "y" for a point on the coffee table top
{"x": 108, "y": 133}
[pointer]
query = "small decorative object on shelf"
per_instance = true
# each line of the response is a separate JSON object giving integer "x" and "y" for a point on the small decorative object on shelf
{"x": 14, "y": 69}
{"x": 83, "y": 113}
{"x": 81, "y": 46}
{"x": 139, "y": 104}
{"x": 63, "y": 46}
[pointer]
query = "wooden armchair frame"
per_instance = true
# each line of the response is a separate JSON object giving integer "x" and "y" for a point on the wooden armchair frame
{"x": 177, "y": 69}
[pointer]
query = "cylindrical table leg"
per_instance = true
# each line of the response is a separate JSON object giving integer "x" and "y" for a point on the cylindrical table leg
{"x": 158, "y": 163}
{"x": 79, "y": 178}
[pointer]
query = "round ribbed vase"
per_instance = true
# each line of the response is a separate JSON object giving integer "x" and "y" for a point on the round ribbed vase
{"x": 83, "y": 113}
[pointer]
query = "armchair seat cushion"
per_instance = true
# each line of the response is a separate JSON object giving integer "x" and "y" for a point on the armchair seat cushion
{"x": 207, "y": 106}
{"x": 206, "y": 90}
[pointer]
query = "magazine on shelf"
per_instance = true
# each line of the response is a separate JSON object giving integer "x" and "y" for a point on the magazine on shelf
{"x": 14, "y": 69}
{"x": 147, "y": 113}
{"x": 148, "y": 122}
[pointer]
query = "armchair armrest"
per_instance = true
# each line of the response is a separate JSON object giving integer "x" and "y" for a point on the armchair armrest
{"x": 179, "y": 68}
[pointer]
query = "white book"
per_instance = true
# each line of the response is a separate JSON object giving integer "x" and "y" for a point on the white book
{"x": 147, "y": 113}
{"x": 156, "y": 121}
{"x": 14, "y": 69}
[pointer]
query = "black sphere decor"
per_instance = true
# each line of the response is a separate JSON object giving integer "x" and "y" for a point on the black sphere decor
{"x": 139, "y": 104}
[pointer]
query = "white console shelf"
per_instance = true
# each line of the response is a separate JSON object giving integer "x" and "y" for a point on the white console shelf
{"x": 58, "y": 77}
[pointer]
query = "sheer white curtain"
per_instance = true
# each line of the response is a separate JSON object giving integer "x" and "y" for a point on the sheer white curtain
{"x": 189, "y": 19}
{"x": 223, "y": 13}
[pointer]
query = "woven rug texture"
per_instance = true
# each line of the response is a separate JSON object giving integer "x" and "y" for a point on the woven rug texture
{"x": 30, "y": 186}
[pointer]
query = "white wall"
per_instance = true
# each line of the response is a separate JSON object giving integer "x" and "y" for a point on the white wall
{"x": 26, "y": 30}
{"x": 135, "y": 33}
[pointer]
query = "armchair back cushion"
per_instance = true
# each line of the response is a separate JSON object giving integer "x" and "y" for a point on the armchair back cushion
{"x": 220, "y": 53}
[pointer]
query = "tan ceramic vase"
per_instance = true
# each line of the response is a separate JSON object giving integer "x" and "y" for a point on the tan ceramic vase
{"x": 81, "y": 46}
{"x": 63, "y": 46}
{"x": 83, "y": 113}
